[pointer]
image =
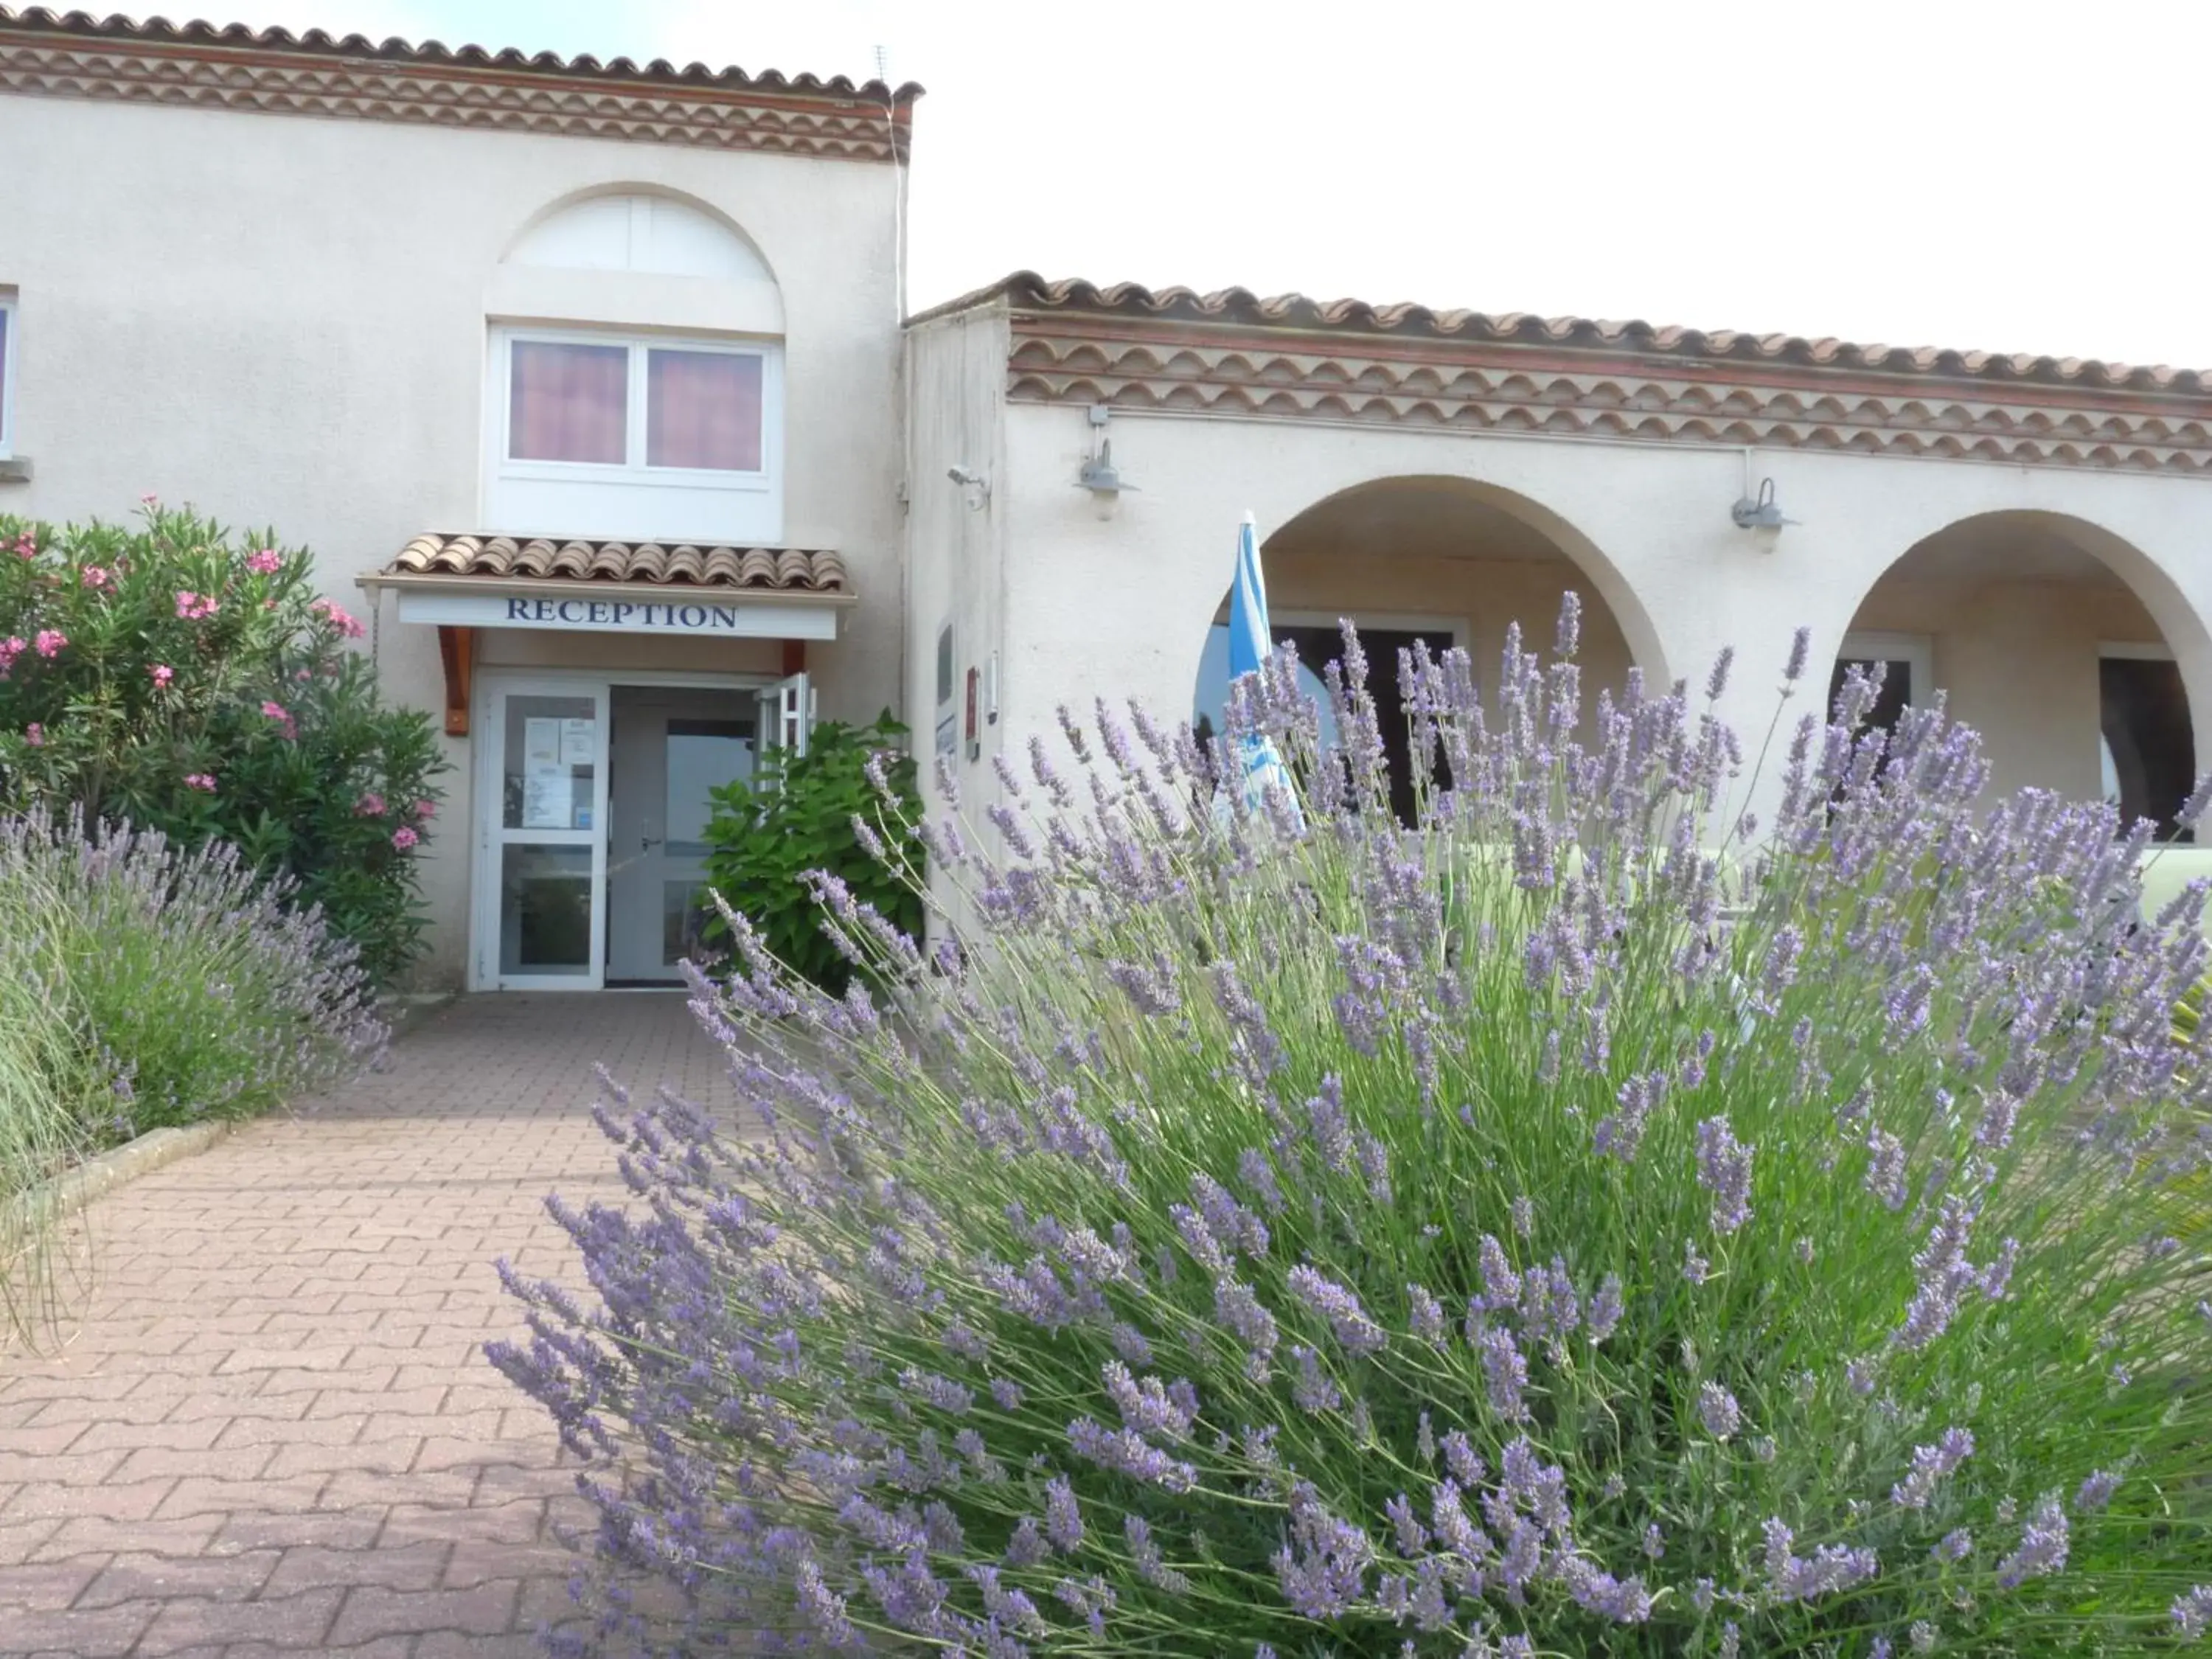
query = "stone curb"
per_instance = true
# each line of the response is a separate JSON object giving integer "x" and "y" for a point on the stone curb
{"x": 95, "y": 1176}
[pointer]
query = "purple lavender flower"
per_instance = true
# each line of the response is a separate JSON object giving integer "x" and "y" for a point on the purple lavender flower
{"x": 1929, "y": 1465}
{"x": 1829, "y": 1569}
{"x": 1426, "y": 1317}
{"x": 1355, "y": 1331}
{"x": 1724, "y": 1170}
{"x": 2192, "y": 1614}
{"x": 1505, "y": 1373}
{"x": 1063, "y": 1520}
{"x": 1605, "y": 1309}
{"x": 1312, "y": 1389}
{"x": 1955, "y": 1545}
{"x": 1238, "y": 1311}
{"x": 2096, "y": 1491}
{"x": 2044, "y": 1542}
{"x": 1718, "y": 1411}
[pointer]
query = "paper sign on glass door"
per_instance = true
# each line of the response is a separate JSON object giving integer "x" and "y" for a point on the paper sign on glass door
{"x": 579, "y": 747}
{"x": 548, "y": 797}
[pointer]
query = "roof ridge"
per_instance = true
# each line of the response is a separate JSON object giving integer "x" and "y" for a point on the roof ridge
{"x": 1241, "y": 307}
{"x": 395, "y": 49}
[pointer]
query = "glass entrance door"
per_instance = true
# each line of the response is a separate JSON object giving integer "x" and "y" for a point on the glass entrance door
{"x": 672, "y": 747}
{"x": 541, "y": 868}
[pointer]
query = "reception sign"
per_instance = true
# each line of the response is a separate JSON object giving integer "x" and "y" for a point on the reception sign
{"x": 628, "y": 611}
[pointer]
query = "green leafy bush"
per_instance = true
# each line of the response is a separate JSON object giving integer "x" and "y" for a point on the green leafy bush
{"x": 189, "y": 681}
{"x": 1568, "y": 1226}
{"x": 819, "y": 812}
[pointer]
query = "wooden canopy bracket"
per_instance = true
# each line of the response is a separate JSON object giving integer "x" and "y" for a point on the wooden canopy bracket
{"x": 457, "y": 650}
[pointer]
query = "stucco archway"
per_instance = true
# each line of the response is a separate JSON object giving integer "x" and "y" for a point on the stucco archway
{"x": 2069, "y": 648}
{"x": 1445, "y": 560}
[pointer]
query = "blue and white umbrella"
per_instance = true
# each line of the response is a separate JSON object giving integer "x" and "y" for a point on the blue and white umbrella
{"x": 1251, "y": 645}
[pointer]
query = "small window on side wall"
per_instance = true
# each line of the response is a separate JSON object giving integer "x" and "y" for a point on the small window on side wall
{"x": 7, "y": 374}
{"x": 631, "y": 436}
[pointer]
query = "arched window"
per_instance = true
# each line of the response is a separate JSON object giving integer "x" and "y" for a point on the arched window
{"x": 635, "y": 378}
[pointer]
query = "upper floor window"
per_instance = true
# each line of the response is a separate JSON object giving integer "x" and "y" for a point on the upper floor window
{"x": 6, "y": 375}
{"x": 635, "y": 378}
{"x": 601, "y": 402}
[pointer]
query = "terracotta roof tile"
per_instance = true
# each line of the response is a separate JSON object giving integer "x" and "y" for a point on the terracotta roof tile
{"x": 1235, "y": 307}
{"x": 428, "y": 53}
{"x": 781, "y": 569}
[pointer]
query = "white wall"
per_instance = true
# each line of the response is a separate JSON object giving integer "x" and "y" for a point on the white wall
{"x": 281, "y": 320}
{"x": 957, "y": 557}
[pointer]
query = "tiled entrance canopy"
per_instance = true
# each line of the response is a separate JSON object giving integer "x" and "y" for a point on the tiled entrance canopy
{"x": 757, "y": 569}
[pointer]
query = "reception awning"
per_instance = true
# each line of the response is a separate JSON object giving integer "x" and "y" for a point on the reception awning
{"x": 622, "y": 587}
{"x": 461, "y": 583}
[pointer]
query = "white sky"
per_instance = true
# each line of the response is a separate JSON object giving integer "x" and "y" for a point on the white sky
{"x": 2015, "y": 176}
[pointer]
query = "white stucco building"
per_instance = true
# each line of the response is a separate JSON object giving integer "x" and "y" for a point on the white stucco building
{"x": 596, "y": 375}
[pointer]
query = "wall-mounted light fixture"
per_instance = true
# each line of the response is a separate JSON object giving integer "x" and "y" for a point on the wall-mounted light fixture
{"x": 1760, "y": 511}
{"x": 1099, "y": 475}
{"x": 974, "y": 484}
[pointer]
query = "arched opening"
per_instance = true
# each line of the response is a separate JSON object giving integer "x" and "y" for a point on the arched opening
{"x": 1443, "y": 561}
{"x": 2039, "y": 629}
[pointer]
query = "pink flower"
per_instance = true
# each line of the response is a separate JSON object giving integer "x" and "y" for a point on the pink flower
{"x": 267, "y": 562}
{"x": 50, "y": 641}
{"x": 403, "y": 838}
{"x": 370, "y": 806}
{"x": 149, "y": 499}
{"x": 25, "y": 546}
{"x": 163, "y": 674}
{"x": 95, "y": 576}
{"x": 199, "y": 780}
{"x": 193, "y": 607}
{"x": 10, "y": 648}
{"x": 338, "y": 617}
{"x": 277, "y": 712}
{"x": 35, "y": 735}
{"x": 423, "y": 810}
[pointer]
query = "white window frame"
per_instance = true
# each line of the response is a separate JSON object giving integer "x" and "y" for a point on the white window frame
{"x": 9, "y": 317}
{"x": 633, "y": 472}
{"x": 1916, "y": 650}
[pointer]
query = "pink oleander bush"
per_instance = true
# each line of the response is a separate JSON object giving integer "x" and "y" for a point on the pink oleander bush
{"x": 1586, "y": 1222}
{"x": 185, "y": 678}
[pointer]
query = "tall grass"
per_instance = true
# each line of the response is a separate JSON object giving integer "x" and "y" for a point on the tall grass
{"x": 143, "y": 986}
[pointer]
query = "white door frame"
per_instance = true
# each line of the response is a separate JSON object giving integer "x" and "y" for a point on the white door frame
{"x": 490, "y": 837}
{"x": 1916, "y": 650}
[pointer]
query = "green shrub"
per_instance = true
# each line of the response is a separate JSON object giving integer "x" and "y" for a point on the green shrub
{"x": 801, "y": 814}
{"x": 189, "y": 681}
{"x": 1306, "y": 1235}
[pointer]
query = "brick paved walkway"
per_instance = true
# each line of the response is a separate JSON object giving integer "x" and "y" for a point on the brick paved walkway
{"x": 275, "y": 1430}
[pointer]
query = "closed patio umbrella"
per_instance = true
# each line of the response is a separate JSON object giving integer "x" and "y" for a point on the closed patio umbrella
{"x": 1253, "y": 757}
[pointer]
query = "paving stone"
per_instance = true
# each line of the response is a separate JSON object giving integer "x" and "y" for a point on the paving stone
{"x": 276, "y": 1431}
{"x": 300, "y": 1622}
{"x": 142, "y": 1576}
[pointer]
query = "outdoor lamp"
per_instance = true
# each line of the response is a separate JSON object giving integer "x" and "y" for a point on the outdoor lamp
{"x": 1759, "y": 512}
{"x": 1098, "y": 474}
{"x": 974, "y": 485}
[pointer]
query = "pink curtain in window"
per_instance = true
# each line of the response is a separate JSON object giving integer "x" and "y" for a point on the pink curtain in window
{"x": 568, "y": 403}
{"x": 703, "y": 410}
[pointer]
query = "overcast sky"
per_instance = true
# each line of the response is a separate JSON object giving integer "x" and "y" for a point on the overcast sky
{"x": 2009, "y": 177}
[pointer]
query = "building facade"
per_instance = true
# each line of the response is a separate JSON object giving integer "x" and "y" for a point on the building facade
{"x": 590, "y": 373}
{"x": 2031, "y": 537}
{"x": 596, "y": 378}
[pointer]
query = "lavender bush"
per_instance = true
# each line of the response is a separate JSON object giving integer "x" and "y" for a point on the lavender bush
{"x": 142, "y": 986}
{"x": 1588, "y": 1222}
